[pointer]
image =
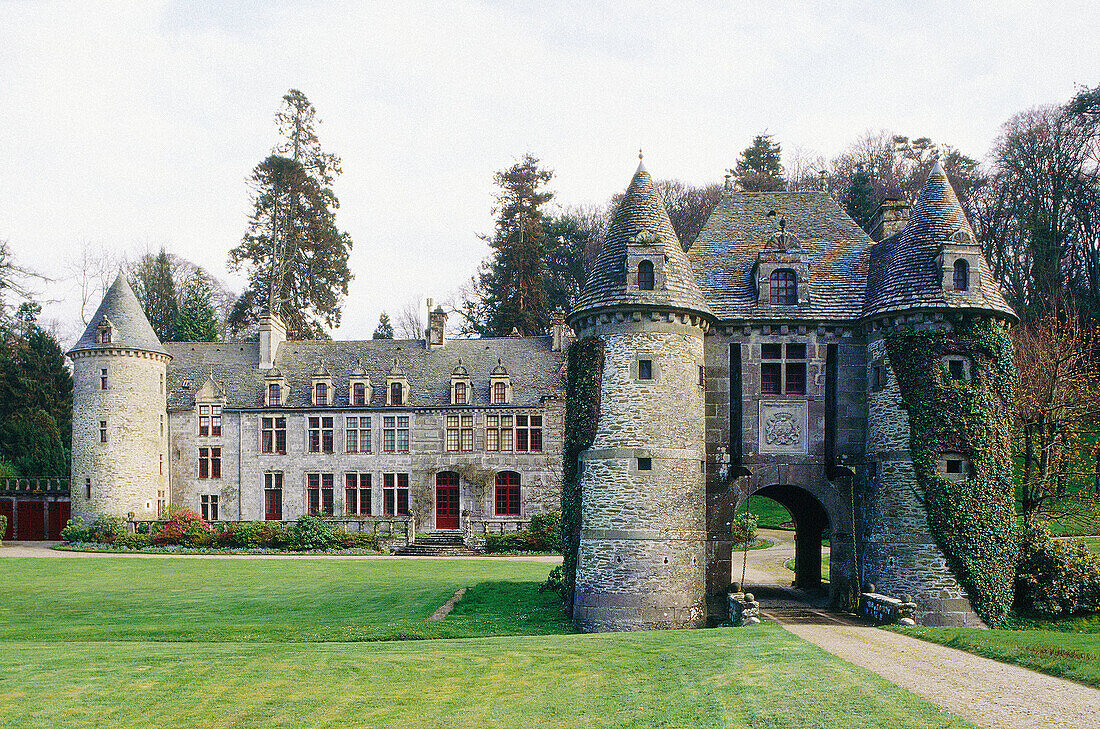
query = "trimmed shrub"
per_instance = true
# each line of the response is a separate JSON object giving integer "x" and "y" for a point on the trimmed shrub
{"x": 356, "y": 540}
{"x": 544, "y": 535}
{"x": 312, "y": 532}
{"x": 1056, "y": 576}
{"x": 247, "y": 534}
{"x": 132, "y": 541}
{"x": 186, "y": 528}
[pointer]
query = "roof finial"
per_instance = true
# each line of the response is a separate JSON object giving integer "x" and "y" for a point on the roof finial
{"x": 639, "y": 154}
{"x": 728, "y": 186}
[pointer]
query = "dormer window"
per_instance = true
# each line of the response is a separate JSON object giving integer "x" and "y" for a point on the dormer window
{"x": 103, "y": 332}
{"x": 500, "y": 393}
{"x": 274, "y": 395}
{"x": 460, "y": 393}
{"x": 397, "y": 394}
{"x": 784, "y": 288}
{"x": 359, "y": 394}
{"x": 320, "y": 393}
{"x": 500, "y": 385}
{"x": 961, "y": 276}
{"x": 645, "y": 275}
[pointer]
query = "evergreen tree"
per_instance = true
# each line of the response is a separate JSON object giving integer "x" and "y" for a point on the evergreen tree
{"x": 384, "y": 329}
{"x": 31, "y": 441}
{"x": 511, "y": 289}
{"x": 759, "y": 169}
{"x": 859, "y": 199}
{"x": 295, "y": 256}
{"x": 153, "y": 279}
{"x": 196, "y": 321}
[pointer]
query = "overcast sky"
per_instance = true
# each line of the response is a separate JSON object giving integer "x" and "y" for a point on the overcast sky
{"x": 135, "y": 125}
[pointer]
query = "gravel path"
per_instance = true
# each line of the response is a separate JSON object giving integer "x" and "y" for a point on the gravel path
{"x": 983, "y": 691}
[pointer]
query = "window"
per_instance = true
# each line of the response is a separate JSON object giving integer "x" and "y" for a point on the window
{"x": 210, "y": 462}
{"x": 161, "y": 464}
{"x": 359, "y": 394}
{"x": 395, "y": 494}
{"x": 357, "y": 494}
{"x": 878, "y": 377}
{"x": 956, "y": 369}
{"x": 216, "y": 420}
{"x": 357, "y": 435}
{"x": 161, "y": 426}
{"x": 273, "y": 496}
{"x": 162, "y": 384}
{"x": 395, "y": 434}
{"x": 529, "y": 433}
{"x": 962, "y": 275}
{"x": 500, "y": 393}
{"x": 274, "y": 395}
{"x": 273, "y": 435}
{"x": 507, "y": 493}
{"x": 162, "y": 502}
{"x": 645, "y": 464}
{"x": 645, "y": 369}
{"x": 319, "y": 493}
{"x": 320, "y": 393}
{"x": 204, "y": 420}
{"x": 460, "y": 393}
{"x": 103, "y": 336}
{"x": 460, "y": 433}
{"x": 102, "y": 431}
{"x": 702, "y": 380}
{"x": 645, "y": 275}
{"x": 782, "y": 375}
{"x": 103, "y": 379}
{"x": 209, "y": 507}
{"x": 87, "y": 487}
{"x": 320, "y": 434}
{"x": 954, "y": 465}
{"x": 396, "y": 394}
{"x": 783, "y": 287}
{"x": 492, "y": 432}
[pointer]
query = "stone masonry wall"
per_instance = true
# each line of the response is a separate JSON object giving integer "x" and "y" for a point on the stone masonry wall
{"x": 642, "y": 550}
{"x": 898, "y": 553}
{"x": 126, "y": 472}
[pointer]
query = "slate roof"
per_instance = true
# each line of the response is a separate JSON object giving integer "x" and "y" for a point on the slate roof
{"x": 834, "y": 250}
{"x": 536, "y": 370}
{"x": 903, "y": 272}
{"x": 129, "y": 327}
{"x": 641, "y": 209}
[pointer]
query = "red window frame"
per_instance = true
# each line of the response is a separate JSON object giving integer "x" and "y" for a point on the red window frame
{"x": 961, "y": 276}
{"x": 507, "y": 494}
{"x": 500, "y": 393}
{"x": 645, "y": 276}
{"x": 784, "y": 286}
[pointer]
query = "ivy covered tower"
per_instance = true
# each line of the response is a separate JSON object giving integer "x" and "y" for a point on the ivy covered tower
{"x": 642, "y": 549}
{"x": 120, "y": 433}
{"x": 938, "y": 517}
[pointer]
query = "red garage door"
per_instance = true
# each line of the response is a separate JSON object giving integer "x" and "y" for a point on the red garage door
{"x": 59, "y": 517}
{"x": 31, "y": 521}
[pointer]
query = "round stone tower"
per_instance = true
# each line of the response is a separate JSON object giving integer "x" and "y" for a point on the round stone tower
{"x": 120, "y": 428}
{"x": 642, "y": 556}
{"x": 934, "y": 317}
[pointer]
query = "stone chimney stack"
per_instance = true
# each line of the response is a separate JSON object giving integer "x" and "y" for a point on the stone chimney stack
{"x": 891, "y": 217}
{"x": 437, "y": 327}
{"x": 557, "y": 330}
{"x": 272, "y": 333}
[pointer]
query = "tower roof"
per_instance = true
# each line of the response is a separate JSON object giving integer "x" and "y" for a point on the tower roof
{"x": 641, "y": 217}
{"x": 903, "y": 272}
{"x": 130, "y": 329}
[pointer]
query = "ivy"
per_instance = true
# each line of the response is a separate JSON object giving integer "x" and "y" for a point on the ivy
{"x": 973, "y": 521}
{"x": 582, "y": 413}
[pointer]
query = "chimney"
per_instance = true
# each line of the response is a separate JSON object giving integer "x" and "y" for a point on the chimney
{"x": 272, "y": 333}
{"x": 891, "y": 217}
{"x": 557, "y": 330}
{"x": 437, "y": 327}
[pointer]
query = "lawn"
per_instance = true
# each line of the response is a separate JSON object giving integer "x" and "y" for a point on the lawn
{"x": 127, "y": 643}
{"x": 1072, "y": 655}
{"x": 772, "y": 515}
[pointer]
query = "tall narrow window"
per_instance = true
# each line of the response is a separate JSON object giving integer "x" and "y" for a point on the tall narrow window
{"x": 467, "y": 440}
{"x": 962, "y": 275}
{"x": 645, "y": 275}
{"x": 215, "y": 420}
{"x": 500, "y": 393}
{"x": 273, "y": 496}
{"x": 204, "y": 420}
{"x": 397, "y": 394}
{"x": 784, "y": 289}
{"x": 359, "y": 394}
{"x": 507, "y": 494}
{"x": 451, "y": 439}
{"x": 87, "y": 487}
{"x": 320, "y": 394}
{"x": 204, "y": 463}
{"x": 102, "y": 431}
{"x": 103, "y": 379}
{"x": 274, "y": 395}
{"x": 492, "y": 432}
{"x": 460, "y": 393}
{"x": 357, "y": 499}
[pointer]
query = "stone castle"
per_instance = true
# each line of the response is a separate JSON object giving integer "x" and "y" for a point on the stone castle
{"x": 752, "y": 363}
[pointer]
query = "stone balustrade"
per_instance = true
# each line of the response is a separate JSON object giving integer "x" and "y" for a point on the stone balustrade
{"x": 886, "y": 610}
{"x": 743, "y": 609}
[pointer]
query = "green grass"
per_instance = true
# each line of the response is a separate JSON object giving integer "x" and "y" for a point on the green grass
{"x": 208, "y": 642}
{"x": 772, "y": 514}
{"x": 763, "y": 678}
{"x": 789, "y": 564}
{"x": 1072, "y": 655}
{"x": 212, "y": 599}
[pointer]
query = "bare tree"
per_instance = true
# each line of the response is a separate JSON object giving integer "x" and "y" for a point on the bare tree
{"x": 410, "y": 320}
{"x": 93, "y": 268}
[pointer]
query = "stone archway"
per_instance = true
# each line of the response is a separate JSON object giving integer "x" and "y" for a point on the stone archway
{"x": 811, "y": 523}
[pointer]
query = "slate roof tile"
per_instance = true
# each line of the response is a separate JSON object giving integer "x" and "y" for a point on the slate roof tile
{"x": 129, "y": 327}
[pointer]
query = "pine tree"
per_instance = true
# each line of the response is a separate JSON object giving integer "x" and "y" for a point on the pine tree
{"x": 196, "y": 321}
{"x": 859, "y": 199}
{"x": 759, "y": 169}
{"x": 511, "y": 290}
{"x": 153, "y": 280}
{"x": 296, "y": 257}
{"x": 385, "y": 329}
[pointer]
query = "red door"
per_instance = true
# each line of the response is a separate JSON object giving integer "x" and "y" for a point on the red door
{"x": 273, "y": 504}
{"x": 32, "y": 521}
{"x": 59, "y": 516}
{"x": 446, "y": 500}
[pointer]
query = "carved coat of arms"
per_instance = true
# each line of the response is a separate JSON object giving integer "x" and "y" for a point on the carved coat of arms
{"x": 782, "y": 429}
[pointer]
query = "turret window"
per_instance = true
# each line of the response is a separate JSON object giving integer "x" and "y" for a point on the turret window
{"x": 784, "y": 288}
{"x": 645, "y": 275}
{"x": 645, "y": 369}
{"x": 103, "y": 379}
{"x": 102, "y": 431}
{"x": 962, "y": 275}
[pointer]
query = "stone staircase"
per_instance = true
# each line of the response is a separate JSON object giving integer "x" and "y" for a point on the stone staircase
{"x": 436, "y": 544}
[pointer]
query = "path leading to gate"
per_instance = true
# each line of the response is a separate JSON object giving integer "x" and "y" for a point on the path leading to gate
{"x": 985, "y": 692}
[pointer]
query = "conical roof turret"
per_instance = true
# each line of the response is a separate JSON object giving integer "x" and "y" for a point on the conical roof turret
{"x": 909, "y": 269}
{"x": 120, "y": 313}
{"x": 641, "y": 227}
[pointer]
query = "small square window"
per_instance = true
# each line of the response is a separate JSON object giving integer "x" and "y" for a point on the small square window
{"x": 956, "y": 369}
{"x": 796, "y": 378}
{"x": 771, "y": 351}
{"x": 645, "y": 464}
{"x": 796, "y": 351}
{"x": 770, "y": 376}
{"x": 954, "y": 465}
{"x": 645, "y": 369}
